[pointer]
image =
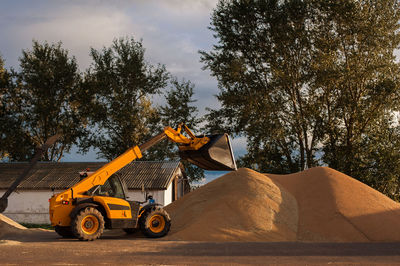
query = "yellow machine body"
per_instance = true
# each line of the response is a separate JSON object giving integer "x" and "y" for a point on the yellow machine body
{"x": 91, "y": 192}
{"x": 60, "y": 213}
{"x": 62, "y": 204}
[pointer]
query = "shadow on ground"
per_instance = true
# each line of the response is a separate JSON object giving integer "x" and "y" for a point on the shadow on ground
{"x": 277, "y": 249}
{"x": 42, "y": 235}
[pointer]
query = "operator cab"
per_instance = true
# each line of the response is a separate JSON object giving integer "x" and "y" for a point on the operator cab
{"x": 113, "y": 187}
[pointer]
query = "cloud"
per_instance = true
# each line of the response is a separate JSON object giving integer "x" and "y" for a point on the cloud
{"x": 79, "y": 27}
{"x": 180, "y": 9}
{"x": 239, "y": 146}
{"x": 193, "y": 6}
{"x": 172, "y": 32}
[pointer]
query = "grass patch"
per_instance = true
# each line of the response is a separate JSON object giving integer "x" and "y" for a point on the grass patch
{"x": 43, "y": 226}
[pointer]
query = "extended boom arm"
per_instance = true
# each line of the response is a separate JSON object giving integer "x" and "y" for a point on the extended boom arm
{"x": 191, "y": 144}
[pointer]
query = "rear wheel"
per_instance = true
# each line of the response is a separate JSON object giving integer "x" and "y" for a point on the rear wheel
{"x": 64, "y": 231}
{"x": 88, "y": 224}
{"x": 155, "y": 222}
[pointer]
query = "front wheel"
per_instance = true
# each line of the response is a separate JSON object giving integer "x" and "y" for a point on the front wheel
{"x": 88, "y": 224}
{"x": 155, "y": 222}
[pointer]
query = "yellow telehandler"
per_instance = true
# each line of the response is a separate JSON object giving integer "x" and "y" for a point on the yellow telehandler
{"x": 99, "y": 201}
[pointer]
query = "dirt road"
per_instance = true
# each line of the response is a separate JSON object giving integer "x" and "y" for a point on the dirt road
{"x": 115, "y": 247}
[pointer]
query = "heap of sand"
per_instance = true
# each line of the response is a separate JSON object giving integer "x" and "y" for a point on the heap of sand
{"x": 319, "y": 204}
{"x": 239, "y": 206}
{"x": 8, "y": 227}
{"x": 12, "y": 233}
{"x": 335, "y": 207}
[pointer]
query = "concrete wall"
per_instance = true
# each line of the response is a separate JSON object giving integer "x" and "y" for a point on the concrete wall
{"x": 158, "y": 195}
{"x": 168, "y": 194}
{"x": 29, "y": 206}
{"x": 163, "y": 197}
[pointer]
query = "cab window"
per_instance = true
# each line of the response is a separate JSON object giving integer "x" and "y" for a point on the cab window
{"x": 111, "y": 188}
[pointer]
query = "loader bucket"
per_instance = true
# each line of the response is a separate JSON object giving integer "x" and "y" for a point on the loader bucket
{"x": 217, "y": 154}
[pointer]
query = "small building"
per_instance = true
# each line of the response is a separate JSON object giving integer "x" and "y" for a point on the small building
{"x": 165, "y": 181}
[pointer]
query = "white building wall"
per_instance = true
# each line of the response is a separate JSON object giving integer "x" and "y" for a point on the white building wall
{"x": 158, "y": 195}
{"x": 33, "y": 206}
{"x": 168, "y": 194}
{"x": 29, "y": 206}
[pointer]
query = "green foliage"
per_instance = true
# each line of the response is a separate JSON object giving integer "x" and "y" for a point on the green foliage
{"x": 359, "y": 76}
{"x": 178, "y": 110}
{"x": 121, "y": 84}
{"x": 310, "y": 83}
{"x": 9, "y": 125}
{"x": 111, "y": 108}
{"x": 4, "y": 121}
{"x": 377, "y": 161}
{"x": 262, "y": 65}
{"x": 41, "y": 101}
{"x": 120, "y": 88}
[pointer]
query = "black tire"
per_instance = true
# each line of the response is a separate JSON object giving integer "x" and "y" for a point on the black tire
{"x": 155, "y": 222}
{"x": 88, "y": 224}
{"x": 130, "y": 231}
{"x": 64, "y": 231}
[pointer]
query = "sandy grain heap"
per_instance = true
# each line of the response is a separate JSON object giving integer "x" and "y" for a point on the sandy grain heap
{"x": 242, "y": 205}
{"x": 336, "y": 207}
{"x": 9, "y": 227}
{"x": 319, "y": 204}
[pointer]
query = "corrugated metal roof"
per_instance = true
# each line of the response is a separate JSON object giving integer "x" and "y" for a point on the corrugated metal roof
{"x": 47, "y": 175}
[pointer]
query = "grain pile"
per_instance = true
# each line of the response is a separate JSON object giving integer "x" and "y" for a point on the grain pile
{"x": 241, "y": 205}
{"x": 9, "y": 228}
{"x": 12, "y": 233}
{"x": 319, "y": 204}
{"x": 336, "y": 207}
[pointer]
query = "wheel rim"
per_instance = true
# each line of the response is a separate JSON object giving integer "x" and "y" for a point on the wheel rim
{"x": 157, "y": 223}
{"x": 90, "y": 224}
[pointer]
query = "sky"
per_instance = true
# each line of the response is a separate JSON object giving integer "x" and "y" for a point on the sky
{"x": 172, "y": 32}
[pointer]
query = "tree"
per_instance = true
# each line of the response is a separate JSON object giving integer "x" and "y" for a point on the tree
{"x": 12, "y": 137}
{"x": 3, "y": 117}
{"x": 378, "y": 156}
{"x": 360, "y": 79}
{"x": 121, "y": 85}
{"x": 42, "y": 101}
{"x": 178, "y": 110}
{"x": 310, "y": 83}
{"x": 262, "y": 65}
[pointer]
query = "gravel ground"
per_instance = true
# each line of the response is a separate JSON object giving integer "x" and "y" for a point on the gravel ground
{"x": 45, "y": 247}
